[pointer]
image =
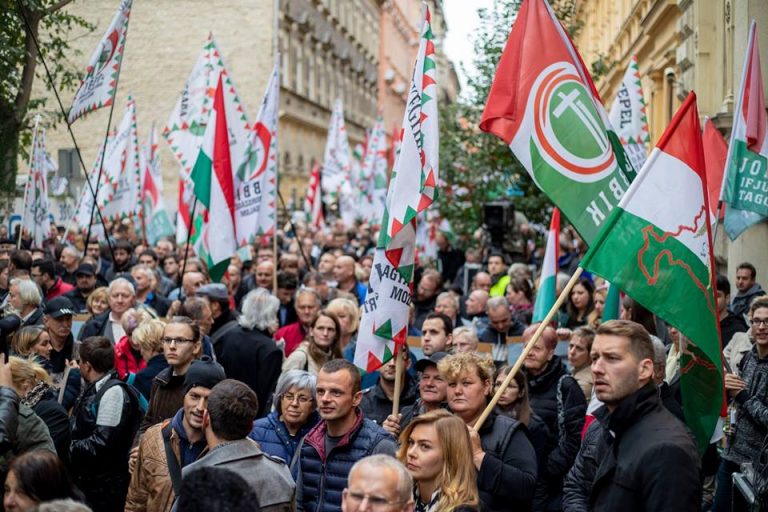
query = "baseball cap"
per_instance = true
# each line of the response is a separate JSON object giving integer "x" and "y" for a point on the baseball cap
{"x": 432, "y": 360}
{"x": 59, "y": 307}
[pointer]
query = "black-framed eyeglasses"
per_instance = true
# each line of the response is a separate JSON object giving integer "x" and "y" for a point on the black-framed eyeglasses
{"x": 176, "y": 341}
{"x": 759, "y": 322}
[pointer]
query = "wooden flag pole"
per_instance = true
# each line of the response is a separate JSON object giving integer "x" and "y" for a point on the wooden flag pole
{"x": 528, "y": 347}
{"x": 399, "y": 367}
{"x": 274, "y": 257}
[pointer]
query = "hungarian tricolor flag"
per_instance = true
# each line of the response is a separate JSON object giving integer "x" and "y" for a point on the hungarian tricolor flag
{"x": 612, "y": 307}
{"x": 544, "y": 105}
{"x": 715, "y": 155}
{"x": 746, "y": 182}
{"x": 384, "y": 324}
{"x": 547, "y": 292}
{"x": 657, "y": 247}
{"x": 313, "y": 205}
{"x": 628, "y": 116}
{"x": 213, "y": 179}
{"x": 155, "y": 218}
{"x": 100, "y": 81}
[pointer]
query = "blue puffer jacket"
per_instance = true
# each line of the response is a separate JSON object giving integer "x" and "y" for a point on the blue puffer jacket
{"x": 324, "y": 476}
{"x": 274, "y": 439}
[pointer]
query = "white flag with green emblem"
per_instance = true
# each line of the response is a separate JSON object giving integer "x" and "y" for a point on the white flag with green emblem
{"x": 337, "y": 163}
{"x": 373, "y": 184}
{"x": 384, "y": 324}
{"x": 122, "y": 166}
{"x": 36, "y": 220}
{"x": 628, "y": 116}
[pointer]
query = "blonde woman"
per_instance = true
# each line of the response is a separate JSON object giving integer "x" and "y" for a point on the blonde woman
{"x": 348, "y": 313}
{"x": 32, "y": 341}
{"x": 436, "y": 450}
{"x": 148, "y": 337}
{"x": 98, "y": 301}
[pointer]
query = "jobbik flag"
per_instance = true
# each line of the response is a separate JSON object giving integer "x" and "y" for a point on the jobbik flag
{"x": 121, "y": 171}
{"x": 384, "y": 324}
{"x": 99, "y": 84}
{"x": 155, "y": 218}
{"x": 85, "y": 206}
{"x": 547, "y": 292}
{"x": 215, "y": 188}
{"x": 657, "y": 247}
{"x": 373, "y": 184}
{"x": 337, "y": 164}
{"x": 544, "y": 105}
{"x": 36, "y": 220}
{"x": 256, "y": 180}
{"x": 629, "y": 118}
{"x": 745, "y": 187}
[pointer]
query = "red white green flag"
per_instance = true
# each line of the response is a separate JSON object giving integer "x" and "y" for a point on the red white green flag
{"x": 628, "y": 116}
{"x": 547, "y": 292}
{"x": 715, "y": 156}
{"x": 544, "y": 105}
{"x": 657, "y": 247}
{"x": 155, "y": 218}
{"x": 384, "y": 324}
{"x": 100, "y": 81}
{"x": 746, "y": 180}
{"x": 122, "y": 167}
{"x": 214, "y": 182}
{"x": 313, "y": 205}
{"x": 36, "y": 220}
{"x": 256, "y": 183}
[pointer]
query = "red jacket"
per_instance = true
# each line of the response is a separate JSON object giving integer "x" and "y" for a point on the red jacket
{"x": 58, "y": 288}
{"x": 125, "y": 360}
{"x": 293, "y": 334}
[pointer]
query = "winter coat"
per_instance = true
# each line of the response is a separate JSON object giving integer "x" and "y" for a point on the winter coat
{"x": 251, "y": 356}
{"x": 125, "y": 359}
{"x": 78, "y": 300}
{"x": 293, "y": 334}
{"x": 166, "y": 397}
{"x": 650, "y": 461}
{"x": 96, "y": 326}
{"x": 558, "y": 400}
{"x": 751, "y": 426}
{"x": 43, "y": 400}
{"x": 266, "y": 475}
{"x": 300, "y": 359}
{"x": 507, "y": 475}
{"x": 741, "y": 302}
{"x": 31, "y": 434}
{"x": 377, "y": 406}
{"x": 584, "y": 378}
{"x": 578, "y": 483}
{"x": 9, "y": 418}
{"x": 740, "y": 345}
{"x": 323, "y": 476}
{"x": 143, "y": 380}
{"x": 273, "y": 437}
{"x": 151, "y": 488}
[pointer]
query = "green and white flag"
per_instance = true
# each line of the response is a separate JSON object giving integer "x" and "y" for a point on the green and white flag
{"x": 544, "y": 105}
{"x": 628, "y": 116}
{"x": 745, "y": 187}
{"x": 547, "y": 292}
{"x": 374, "y": 174}
{"x": 36, "y": 219}
{"x": 157, "y": 223}
{"x": 657, "y": 247}
{"x": 337, "y": 164}
{"x": 121, "y": 166}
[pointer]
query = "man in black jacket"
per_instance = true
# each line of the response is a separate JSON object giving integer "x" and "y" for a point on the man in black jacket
{"x": 377, "y": 399}
{"x": 106, "y": 419}
{"x": 646, "y": 460}
{"x": 85, "y": 281}
{"x": 558, "y": 400}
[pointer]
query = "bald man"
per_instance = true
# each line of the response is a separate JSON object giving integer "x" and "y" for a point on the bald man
{"x": 346, "y": 280}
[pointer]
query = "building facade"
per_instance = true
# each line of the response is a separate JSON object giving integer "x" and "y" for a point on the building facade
{"x": 681, "y": 46}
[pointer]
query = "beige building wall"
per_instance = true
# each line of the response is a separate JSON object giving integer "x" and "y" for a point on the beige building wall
{"x": 682, "y": 46}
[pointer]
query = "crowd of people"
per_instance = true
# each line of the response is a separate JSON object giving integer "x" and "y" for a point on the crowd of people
{"x": 130, "y": 381}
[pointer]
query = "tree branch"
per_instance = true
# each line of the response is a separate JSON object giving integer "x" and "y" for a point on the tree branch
{"x": 58, "y": 5}
{"x": 28, "y": 73}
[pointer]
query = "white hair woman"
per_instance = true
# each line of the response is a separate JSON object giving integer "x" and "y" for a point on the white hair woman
{"x": 294, "y": 414}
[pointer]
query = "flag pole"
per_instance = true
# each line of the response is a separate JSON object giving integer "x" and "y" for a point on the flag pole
{"x": 26, "y": 188}
{"x": 399, "y": 367}
{"x": 66, "y": 119}
{"x": 528, "y": 347}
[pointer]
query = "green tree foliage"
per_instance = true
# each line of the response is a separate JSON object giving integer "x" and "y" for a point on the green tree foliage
{"x": 477, "y": 167}
{"x": 19, "y": 68}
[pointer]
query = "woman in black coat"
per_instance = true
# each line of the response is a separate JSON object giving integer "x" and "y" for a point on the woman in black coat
{"x": 503, "y": 456}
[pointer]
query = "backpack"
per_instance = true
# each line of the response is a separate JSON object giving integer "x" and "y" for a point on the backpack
{"x": 137, "y": 400}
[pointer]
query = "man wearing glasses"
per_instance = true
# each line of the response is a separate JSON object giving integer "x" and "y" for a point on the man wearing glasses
{"x": 378, "y": 483}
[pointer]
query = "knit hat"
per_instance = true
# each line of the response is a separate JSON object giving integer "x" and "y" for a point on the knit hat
{"x": 204, "y": 372}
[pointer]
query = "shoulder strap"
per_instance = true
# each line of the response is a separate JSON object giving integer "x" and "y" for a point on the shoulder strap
{"x": 296, "y": 455}
{"x": 174, "y": 470}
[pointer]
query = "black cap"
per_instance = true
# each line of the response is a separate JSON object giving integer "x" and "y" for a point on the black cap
{"x": 59, "y": 307}
{"x": 85, "y": 269}
{"x": 204, "y": 372}
{"x": 432, "y": 360}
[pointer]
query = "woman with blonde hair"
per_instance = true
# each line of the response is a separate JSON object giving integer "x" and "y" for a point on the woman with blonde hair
{"x": 128, "y": 357}
{"x": 348, "y": 313}
{"x": 32, "y": 341}
{"x": 98, "y": 301}
{"x": 148, "y": 337}
{"x": 596, "y": 316}
{"x": 436, "y": 450}
{"x": 501, "y": 452}
{"x": 322, "y": 344}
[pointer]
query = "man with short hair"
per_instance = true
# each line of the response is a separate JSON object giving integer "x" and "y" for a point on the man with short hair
{"x": 447, "y": 303}
{"x": 426, "y": 296}
{"x": 381, "y": 479}
{"x": 497, "y": 268}
{"x": 105, "y": 420}
{"x": 307, "y": 303}
{"x": 286, "y": 289}
{"x": 325, "y": 266}
{"x": 346, "y": 280}
{"x": 58, "y": 322}
{"x": 475, "y": 307}
{"x": 156, "y": 478}
{"x": 122, "y": 251}
{"x": 436, "y": 334}
{"x": 85, "y": 281}
{"x": 558, "y": 400}
{"x": 730, "y": 323}
{"x": 342, "y": 437}
{"x": 262, "y": 277}
{"x": 20, "y": 260}
{"x": 501, "y": 325}
{"x": 481, "y": 281}
{"x": 25, "y": 299}
{"x": 146, "y": 292}
{"x": 122, "y": 297}
{"x": 218, "y": 299}
{"x": 232, "y": 408}
{"x": 651, "y": 461}
{"x": 746, "y": 277}
{"x": 70, "y": 260}
{"x": 44, "y": 274}
{"x": 377, "y": 399}
{"x": 163, "y": 248}
{"x": 150, "y": 258}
